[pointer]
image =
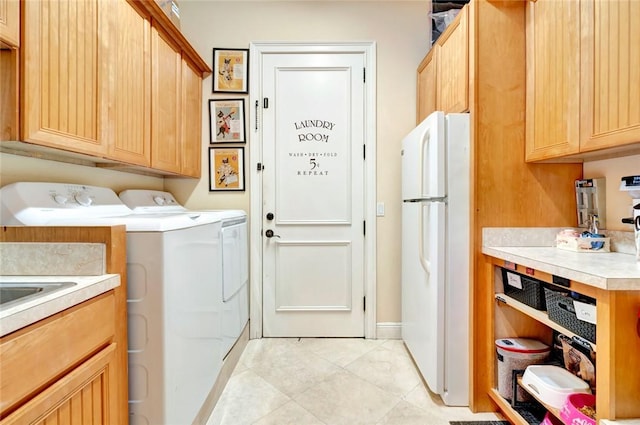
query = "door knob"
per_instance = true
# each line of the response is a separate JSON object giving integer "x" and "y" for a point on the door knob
{"x": 269, "y": 233}
{"x": 270, "y": 216}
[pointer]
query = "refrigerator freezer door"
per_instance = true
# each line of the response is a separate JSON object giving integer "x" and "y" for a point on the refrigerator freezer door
{"x": 423, "y": 159}
{"x": 423, "y": 296}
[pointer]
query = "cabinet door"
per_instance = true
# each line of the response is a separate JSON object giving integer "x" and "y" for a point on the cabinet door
{"x": 129, "y": 137}
{"x": 610, "y": 73}
{"x": 10, "y": 22}
{"x": 453, "y": 65}
{"x": 166, "y": 102}
{"x": 553, "y": 79}
{"x": 87, "y": 395}
{"x": 427, "y": 85}
{"x": 65, "y": 72}
{"x": 191, "y": 121}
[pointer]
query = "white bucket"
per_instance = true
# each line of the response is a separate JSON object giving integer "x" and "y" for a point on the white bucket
{"x": 517, "y": 354}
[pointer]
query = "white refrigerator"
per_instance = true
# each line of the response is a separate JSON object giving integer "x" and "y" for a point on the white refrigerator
{"x": 436, "y": 252}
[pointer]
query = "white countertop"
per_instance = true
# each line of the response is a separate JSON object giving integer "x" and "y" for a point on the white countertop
{"x": 606, "y": 270}
{"x": 30, "y": 311}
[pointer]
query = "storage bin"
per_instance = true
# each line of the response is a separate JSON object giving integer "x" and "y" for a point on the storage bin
{"x": 523, "y": 288}
{"x": 517, "y": 354}
{"x": 552, "y": 384}
{"x": 561, "y": 309}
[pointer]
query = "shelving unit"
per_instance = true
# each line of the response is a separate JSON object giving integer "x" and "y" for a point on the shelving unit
{"x": 617, "y": 367}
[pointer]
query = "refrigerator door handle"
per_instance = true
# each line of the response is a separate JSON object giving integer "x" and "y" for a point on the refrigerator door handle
{"x": 426, "y": 264}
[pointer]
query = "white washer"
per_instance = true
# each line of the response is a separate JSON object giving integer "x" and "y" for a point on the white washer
{"x": 235, "y": 256}
{"x": 174, "y": 276}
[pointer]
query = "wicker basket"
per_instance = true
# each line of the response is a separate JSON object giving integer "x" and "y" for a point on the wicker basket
{"x": 560, "y": 309}
{"x": 531, "y": 293}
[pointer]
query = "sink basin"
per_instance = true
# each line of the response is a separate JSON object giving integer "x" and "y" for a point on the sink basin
{"x": 12, "y": 293}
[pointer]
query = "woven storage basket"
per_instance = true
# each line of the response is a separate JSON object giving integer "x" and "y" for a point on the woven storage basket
{"x": 560, "y": 309}
{"x": 531, "y": 293}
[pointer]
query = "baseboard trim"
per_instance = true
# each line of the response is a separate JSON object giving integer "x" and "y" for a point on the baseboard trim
{"x": 389, "y": 330}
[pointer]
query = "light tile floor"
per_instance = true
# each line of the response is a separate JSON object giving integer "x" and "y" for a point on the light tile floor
{"x": 315, "y": 381}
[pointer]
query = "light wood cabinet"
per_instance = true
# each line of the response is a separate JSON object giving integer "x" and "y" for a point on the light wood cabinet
{"x": 83, "y": 396}
{"x": 166, "y": 89}
{"x": 453, "y": 65}
{"x": 610, "y": 113}
{"x": 36, "y": 386}
{"x": 9, "y": 23}
{"x": 617, "y": 391}
{"x": 88, "y": 339}
{"x": 191, "y": 121}
{"x": 129, "y": 127}
{"x": 553, "y": 82}
{"x": 427, "y": 86}
{"x": 65, "y": 75}
{"x": 108, "y": 81}
{"x": 583, "y": 79}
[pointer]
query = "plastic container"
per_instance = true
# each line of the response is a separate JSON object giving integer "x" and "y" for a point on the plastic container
{"x": 552, "y": 384}
{"x": 517, "y": 354}
{"x": 570, "y": 413}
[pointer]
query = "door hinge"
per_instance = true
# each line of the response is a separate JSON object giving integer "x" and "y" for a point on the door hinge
{"x": 364, "y": 303}
{"x": 364, "y": 75}
{"x": 260, "y": 167}
{"x": 265, "y": 103}
{"x": 364, "y": 227}
{"x": 364, "y": 151}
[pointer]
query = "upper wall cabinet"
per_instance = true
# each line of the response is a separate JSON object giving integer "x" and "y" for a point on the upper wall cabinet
{"x": 611, "y": 73}
{"x": 9, "y": 23}
{"x": 166, "y": 106}
{"x": 443, "y": 75}
{"x": 553, "y": 84}
{"x": 453, "y": 65}
{"x": 114, "y": 81}
{"x": 64, "y": 97}
{"x": 583, "y": 78}
{"x": 427, "y": 86}
{"x": 129, "y": 95}
{"x": 191, "y": 121}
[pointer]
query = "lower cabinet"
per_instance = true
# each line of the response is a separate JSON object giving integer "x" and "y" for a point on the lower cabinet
{"x": 84, "y": 396}
{"x": 64, "y": 368}
{"x": 617, "y": 370}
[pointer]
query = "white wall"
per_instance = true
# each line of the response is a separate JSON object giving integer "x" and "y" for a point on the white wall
{"x": 401, "y": 32}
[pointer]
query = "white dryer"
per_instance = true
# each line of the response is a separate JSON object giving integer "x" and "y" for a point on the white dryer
{"x": 173, "y": 285}
{"x": 234, "y": 256}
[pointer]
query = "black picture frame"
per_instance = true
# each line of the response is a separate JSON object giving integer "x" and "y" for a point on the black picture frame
{"x": 227, "y": 122}
{"x": 226, "y": 169}
{"x": 230, "y": 70}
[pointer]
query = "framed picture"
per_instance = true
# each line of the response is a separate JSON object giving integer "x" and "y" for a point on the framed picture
{"x": 226, "y": 169}
{"x": 226, "y": 121}
{"x": 230, "y": 70}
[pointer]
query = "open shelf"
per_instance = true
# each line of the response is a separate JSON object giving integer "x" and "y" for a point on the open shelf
{"x": 538, "y": 315}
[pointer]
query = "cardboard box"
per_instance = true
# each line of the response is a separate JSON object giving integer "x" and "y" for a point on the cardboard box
{"x": 171, "y": 9}
{"x": 580, "y": 244}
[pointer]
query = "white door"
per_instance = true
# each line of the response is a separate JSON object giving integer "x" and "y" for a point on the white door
{"x": 313, "y": 218}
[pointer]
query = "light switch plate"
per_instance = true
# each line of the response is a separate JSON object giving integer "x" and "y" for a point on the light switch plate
{"x": 380, "y": 209}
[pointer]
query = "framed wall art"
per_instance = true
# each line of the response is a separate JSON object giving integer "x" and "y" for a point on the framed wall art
{"x": 230, "y": 70}
{"x": 226, "y": 169}
{"x": 226, "y": 121}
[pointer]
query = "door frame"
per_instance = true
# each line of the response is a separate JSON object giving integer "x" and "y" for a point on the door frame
{"x": 256, "y": 51}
